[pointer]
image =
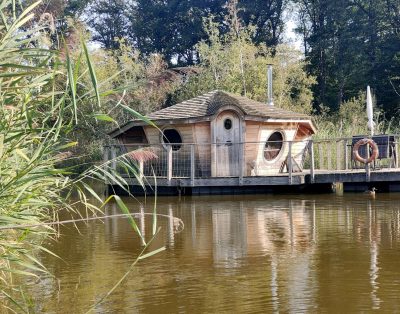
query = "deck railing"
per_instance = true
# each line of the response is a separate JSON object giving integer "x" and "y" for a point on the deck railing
{"x": 181, "y": 160}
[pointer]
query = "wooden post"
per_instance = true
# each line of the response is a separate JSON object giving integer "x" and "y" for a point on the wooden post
{"x": 396, "y": 152}
{"x": 213, "y": 147}
{"x": 329, "y": 152}
{"x": 192, "y": 165}
{"x": 169, "y": 163}
{"x": 113, "y": 157}
{"x": 346, "y": 155}
{"x": 338, "y": 156}
{"x": 141, "y": 168}
{"x": 312, "y": 169}
{"x": 367, "y": 167}
{"x": 321, "y": 157}
{"x": 290, "y": 165}
{"x": 241, "y": 168}
{"x": 106, "y": 154}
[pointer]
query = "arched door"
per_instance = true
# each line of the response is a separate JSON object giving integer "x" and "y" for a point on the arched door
{"x": 227, "y": 139}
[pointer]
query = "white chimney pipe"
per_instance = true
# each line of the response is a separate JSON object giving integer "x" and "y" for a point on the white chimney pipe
{"x": 270, "y": 101}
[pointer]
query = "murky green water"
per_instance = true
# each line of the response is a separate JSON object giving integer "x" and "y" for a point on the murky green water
{"x": 242, "y": 254}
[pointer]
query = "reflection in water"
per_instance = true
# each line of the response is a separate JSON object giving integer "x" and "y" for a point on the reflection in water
{"x": 142, "y": 226}
{"x": 229, "y": 236}
{"x": 313, "y": 223}
{"x": 236, "y": 254}
{"x": 374, "y": 269}
{"x": 274, "y": 285}
{"x": 193, "y": 221}
{"x": 171, "y": 231}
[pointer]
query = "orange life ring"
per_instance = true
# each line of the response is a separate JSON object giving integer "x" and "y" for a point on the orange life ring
{"x": 362, "y": 142}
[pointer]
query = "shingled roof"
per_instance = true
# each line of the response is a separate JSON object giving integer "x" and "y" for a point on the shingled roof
{"x": 209, "y": 103}
{"x": 206, "y": 105}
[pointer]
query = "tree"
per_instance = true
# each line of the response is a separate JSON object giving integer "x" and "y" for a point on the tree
{"x": 171, "y": 28}
{"x": 231, "y": 62}
{"x": 350, "y": 44}
{"x": 174, "y": 27}
{"x": 108, "y": 21}
{"x": 266, "y": 16}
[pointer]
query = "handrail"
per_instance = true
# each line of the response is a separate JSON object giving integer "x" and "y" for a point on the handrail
{"x": 198, "y": 160}
{"x": 259, "y": 142}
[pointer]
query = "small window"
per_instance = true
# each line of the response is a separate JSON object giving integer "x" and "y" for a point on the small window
{"x": 172, "y": 136}
{"x": 228, "y": 124}
{"x": 273, "y": 146}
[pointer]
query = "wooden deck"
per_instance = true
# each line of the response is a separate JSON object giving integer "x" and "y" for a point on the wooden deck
{"x": 325, "y": 163}
{"x": 388, "y": 180}
{"x": 357, "y": 176}
{"x": 320, "y": 177}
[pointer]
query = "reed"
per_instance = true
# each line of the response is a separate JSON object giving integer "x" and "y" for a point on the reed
{"x": 351, "y": 119}
{"x": 41, "y": 94}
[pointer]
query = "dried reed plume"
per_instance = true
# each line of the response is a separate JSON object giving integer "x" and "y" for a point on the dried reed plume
{"x": 142, "y": 155}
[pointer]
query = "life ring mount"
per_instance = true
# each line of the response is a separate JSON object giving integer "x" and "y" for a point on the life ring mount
{"x": 362, "y": 142}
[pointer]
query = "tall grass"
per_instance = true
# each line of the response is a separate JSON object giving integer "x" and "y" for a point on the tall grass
{"x": 40, "y": 94}
{"x": 351, "y": 119}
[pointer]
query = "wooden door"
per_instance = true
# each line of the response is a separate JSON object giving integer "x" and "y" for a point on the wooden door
{"x": 227, "y": 135}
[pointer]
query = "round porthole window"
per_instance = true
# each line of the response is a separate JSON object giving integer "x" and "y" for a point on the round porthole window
{"x": 273, "y": 146}
{"x": 228, "y": 124}
{"x": 172, "y": 136}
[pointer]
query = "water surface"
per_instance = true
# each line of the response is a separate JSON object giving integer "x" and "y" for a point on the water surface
{"x": 247, "y": 254}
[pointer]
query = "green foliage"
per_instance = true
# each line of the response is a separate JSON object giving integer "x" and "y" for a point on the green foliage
{"x": 109, "y": 21}
{"x": 266, "y": 17}
{"x": 43, "y": 96}
{"x": 233, "y": 63}
{"x": 352, "y": 44}
{"x": 121, "y": 77}
{"x": 351, "y": 119}
{"x": 174, "y": 28}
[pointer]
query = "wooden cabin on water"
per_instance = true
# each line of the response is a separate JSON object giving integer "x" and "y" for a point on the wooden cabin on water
{"x": 223, "y": 143}
{"x": 218, "y": 135}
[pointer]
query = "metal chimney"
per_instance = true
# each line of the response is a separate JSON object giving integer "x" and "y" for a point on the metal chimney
{"x": 270, "y": 100}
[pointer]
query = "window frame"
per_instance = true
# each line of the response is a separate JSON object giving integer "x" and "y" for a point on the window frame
{"x": 166, "y": 144}
{"x": 282, "y": 148}
{"x": 231, "y": 124}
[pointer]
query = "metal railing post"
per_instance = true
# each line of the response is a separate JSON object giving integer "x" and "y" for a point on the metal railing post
{"x": 290, "y": 164}
{"x": 312, "y": 166}
{"x": 169, "y": 163}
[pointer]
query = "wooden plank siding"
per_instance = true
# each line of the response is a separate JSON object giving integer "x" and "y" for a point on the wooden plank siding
{"x": 134, "y": 135}
{"x": 154, "y": 135}
{"x": 255, "y": 135}
{"x": 202, "y": 137}
{"x": 252, "y": 146}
